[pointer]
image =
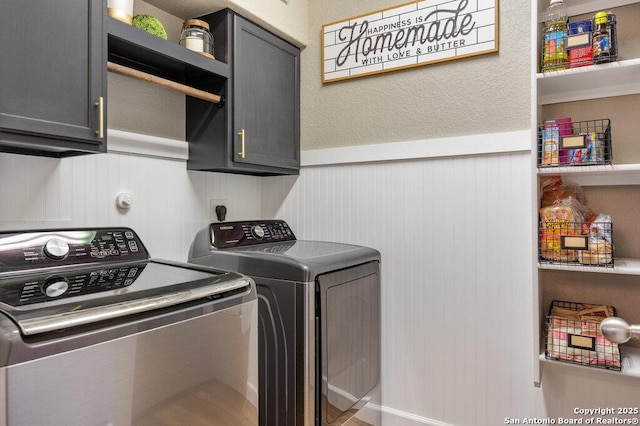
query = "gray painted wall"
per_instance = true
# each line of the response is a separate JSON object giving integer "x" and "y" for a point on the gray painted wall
{"x": 485, "y": 94}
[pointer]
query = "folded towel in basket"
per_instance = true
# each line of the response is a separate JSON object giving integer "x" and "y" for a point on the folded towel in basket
{"x": 574, "y": 336}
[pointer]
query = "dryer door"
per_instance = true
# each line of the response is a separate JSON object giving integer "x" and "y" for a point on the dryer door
{"x": 349, "y": 349}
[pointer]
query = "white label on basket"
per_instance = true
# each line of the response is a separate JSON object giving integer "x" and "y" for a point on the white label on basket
{"x": 576, "y": 341}
{"x": 576, "y": 243}
{"x": 579, "y": 40}
{"x": 573, "y": 142}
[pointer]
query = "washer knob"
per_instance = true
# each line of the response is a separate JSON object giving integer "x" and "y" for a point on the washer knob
{"x": 56, "y": 249}
{"x": 56, "y": 287}
{"x": 258, "y": 232}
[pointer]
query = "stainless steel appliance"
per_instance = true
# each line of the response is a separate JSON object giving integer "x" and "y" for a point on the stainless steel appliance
{"x": 95, "y": 332}
{"x": 319, "y": 313}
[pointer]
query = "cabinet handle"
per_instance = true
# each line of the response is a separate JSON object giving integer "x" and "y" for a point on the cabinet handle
{"x": 100, "y": 105}
{"x": 241, "y": 134}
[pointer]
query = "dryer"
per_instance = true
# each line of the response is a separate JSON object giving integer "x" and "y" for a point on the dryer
{"x": 319, "y": 320}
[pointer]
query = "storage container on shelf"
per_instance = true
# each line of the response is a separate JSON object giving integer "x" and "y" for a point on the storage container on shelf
{"x": 554, "y": 42}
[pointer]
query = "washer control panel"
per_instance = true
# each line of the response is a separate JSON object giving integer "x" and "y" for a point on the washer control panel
{"x": 43, "y": 249}
{"x": 240, "y": 234}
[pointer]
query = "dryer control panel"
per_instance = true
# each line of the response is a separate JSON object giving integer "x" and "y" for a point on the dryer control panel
{"x": 240, "y": 234}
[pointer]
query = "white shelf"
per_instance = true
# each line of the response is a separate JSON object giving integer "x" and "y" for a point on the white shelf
{"x": 591, "y": 82}
{"x": 621, "y": 267}
{"x": 579, "y": 7}
{"x": 604, "y": 175}
{"x": 619, "y": 78}
{"x": 630, "y": 363}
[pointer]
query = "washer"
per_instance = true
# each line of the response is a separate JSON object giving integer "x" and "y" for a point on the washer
{"x": 95, "y": 332}
{"x": 319, "y": 320}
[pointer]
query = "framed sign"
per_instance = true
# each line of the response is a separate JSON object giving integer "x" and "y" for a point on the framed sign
{"x": 410, "y": 35}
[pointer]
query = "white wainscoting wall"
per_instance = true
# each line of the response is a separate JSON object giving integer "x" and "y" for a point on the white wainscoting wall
{"x": 170, "y": 204}
{"x": 455, "y": 238}
{"x": 451, "y": 217}
{"x": 453, "y": 227}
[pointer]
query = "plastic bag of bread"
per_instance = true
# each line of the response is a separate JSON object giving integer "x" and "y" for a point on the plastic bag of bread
{"x": 600, "y": 249}
{"x": 600, "y": 252}
{"x": 564, "y": 218}
{"x": 554, "y": 190}
{"x": 601, "y": 227}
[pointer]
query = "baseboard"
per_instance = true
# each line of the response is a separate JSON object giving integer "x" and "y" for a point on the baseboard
{"x": 394, "y": 417}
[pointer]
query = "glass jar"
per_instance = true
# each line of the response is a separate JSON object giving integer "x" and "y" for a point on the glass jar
{"x": 122, "y": 10}
{"x": 601, "y": 41}
{"x": 196, "y": 36}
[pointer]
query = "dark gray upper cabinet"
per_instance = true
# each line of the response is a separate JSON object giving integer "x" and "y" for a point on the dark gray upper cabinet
{"x": 52, "y": 77}
{"x": 258, "y": 130}
{"x": 266, "y": 97}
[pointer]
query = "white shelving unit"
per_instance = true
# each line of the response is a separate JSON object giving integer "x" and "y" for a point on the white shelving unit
{"x": 586, "y": 83}
{"x": 622, "y": 266}
{"x": 630, "y": 360}
{"x": 605, "y": 175}
{"x": 592, "y": 82}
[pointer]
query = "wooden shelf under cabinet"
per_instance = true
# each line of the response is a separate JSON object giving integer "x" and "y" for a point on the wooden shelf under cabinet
{"x": 137, "y": 49}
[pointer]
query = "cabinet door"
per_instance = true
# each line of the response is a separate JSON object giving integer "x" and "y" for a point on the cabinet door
{"x": 266, "y": 87}
{"x": 52, "y": 75}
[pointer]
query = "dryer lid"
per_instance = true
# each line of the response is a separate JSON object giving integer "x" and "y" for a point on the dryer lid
{"x": 274, "y": 256}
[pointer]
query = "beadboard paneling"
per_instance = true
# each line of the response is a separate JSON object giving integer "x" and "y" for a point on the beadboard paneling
{"x": 456, "y": 275}
{"x": 31, "y": 190}
{"x": 456, "y": 262}
{"x": 169, "y": 205}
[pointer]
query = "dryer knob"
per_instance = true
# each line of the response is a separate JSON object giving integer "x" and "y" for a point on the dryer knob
{"x": 56, "y": 249}
{"x": 56, "y": 287}
{"x": 258, "y": 232}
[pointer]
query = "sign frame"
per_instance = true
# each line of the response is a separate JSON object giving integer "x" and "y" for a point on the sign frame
{"x": 409, "y": 35}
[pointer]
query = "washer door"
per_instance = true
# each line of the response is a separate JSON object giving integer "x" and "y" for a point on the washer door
{"x": 350, "y": 340}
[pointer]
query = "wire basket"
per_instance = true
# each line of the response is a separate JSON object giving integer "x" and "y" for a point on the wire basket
{"x": 578, "y": 48}
{"x": 578, "y": 143}
{"x": 572, "y": 335}
{"x": 613, "y": 37}
{"x": 576, "y": 243}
